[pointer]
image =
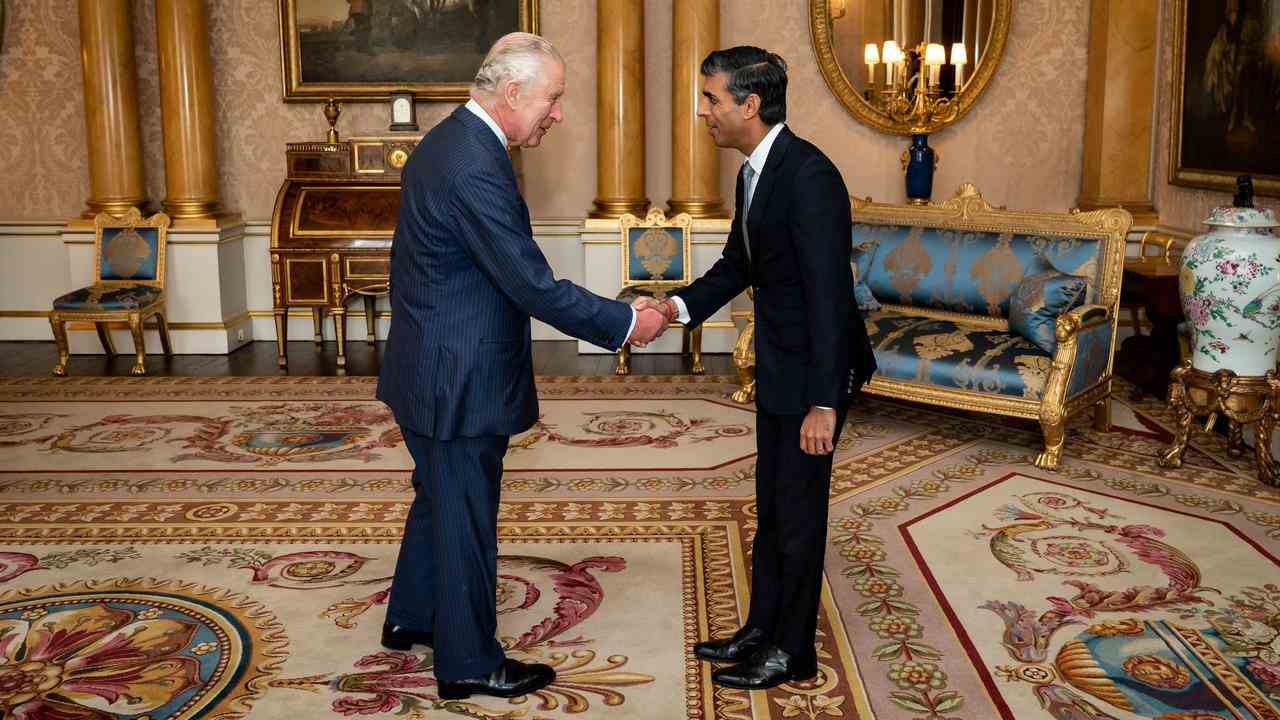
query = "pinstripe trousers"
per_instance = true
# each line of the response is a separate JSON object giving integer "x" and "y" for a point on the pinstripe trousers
{"x": 446, "y": 574}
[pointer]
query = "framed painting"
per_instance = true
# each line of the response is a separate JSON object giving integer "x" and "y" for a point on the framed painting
{"x": 1225, "y": 120}
{"x": 367, "y": 49}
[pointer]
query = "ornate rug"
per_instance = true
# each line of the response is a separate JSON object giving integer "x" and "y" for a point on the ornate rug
{"x": 222, "y": 548}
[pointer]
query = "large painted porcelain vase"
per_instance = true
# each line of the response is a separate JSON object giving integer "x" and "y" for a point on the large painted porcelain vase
{"x": 1230, "y": 287}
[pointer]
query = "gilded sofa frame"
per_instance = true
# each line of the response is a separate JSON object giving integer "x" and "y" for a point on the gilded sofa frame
{"x": 134, "y": 317}
{"x": 968, "y": 211}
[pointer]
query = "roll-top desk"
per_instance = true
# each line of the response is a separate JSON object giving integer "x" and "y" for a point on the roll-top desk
{"x": 331, "y": 230}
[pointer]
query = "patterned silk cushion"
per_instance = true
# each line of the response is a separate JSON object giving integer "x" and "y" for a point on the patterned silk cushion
{"x": 963, "y": 271}
{"x": 951, "y": 355}
{"x": 1038, "y": 302}
{"x": 108, "y": 297}
{"x": 864, "y": 254}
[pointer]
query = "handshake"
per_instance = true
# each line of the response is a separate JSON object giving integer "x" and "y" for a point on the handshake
{"x": 652, "y": 318}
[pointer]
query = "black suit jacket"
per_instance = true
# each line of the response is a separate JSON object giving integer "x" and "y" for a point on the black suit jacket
{"x": 465, "y": 277}
{"x": 811, "y": 342}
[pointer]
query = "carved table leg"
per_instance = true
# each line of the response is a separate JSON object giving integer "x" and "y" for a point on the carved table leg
{"x": 340, "y": 334}
{"x": 317, "y": 322}
{"x": 282, "y": 335}
{"x": 370, "y": 317}
{"x": 1102, "y": 415}
{"x": 744, "y": 362}
{"x": 1172, "y": 458}
{"x": 1268, "y": 472}
{"x": 1235, "y": 439}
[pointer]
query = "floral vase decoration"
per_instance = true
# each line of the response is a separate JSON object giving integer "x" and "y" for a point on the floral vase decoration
{"x": 1230, "y": 287}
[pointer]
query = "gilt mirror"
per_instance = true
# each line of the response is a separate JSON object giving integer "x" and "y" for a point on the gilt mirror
{"x": 908, "y": 66}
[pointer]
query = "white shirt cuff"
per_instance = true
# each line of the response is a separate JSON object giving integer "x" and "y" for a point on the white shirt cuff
{"x": 634, "y": 316}
{"x": 682, "y": 312}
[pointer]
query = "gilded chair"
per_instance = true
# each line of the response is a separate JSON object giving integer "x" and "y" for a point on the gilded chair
{"x": 128, "y": 285}
{"x": 656, "y": 255}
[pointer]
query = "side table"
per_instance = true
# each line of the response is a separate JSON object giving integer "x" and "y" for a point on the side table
{"x": 1151, "y": 283}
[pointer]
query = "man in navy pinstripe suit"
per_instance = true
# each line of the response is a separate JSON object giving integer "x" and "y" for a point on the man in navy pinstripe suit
{"x": 466, "y": 276}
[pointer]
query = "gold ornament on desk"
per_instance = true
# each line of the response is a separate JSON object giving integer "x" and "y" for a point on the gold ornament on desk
{"x": 332, "y": 110}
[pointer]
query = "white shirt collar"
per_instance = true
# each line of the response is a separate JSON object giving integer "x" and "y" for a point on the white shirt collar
{"x": 480, "y": 112}
{"x": 758, "y": 156}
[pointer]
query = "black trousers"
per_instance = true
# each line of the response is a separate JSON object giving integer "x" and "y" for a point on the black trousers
{"x": 792, "y": 495}
{"x": 446, "y": 574}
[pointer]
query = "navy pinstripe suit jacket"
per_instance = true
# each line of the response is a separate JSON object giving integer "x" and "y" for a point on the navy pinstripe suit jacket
{"x": 465, "y": 277}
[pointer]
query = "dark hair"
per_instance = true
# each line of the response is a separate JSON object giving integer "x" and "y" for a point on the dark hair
{"x": 752, "y": 70}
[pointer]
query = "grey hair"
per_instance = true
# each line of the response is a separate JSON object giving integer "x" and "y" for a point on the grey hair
{"x": 515, "y": 57}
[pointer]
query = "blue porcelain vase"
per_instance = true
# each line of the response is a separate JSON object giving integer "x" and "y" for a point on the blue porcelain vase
{"x": 920, "y": 162}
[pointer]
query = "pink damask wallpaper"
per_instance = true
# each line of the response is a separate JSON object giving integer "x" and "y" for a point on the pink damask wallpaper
{"x": 1021, "y": 144}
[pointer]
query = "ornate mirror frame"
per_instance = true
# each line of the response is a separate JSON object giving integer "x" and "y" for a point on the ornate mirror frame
{"x": 820, "y": 33}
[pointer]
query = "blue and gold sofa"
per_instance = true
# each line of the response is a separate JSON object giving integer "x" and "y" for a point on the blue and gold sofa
{"x": 944, "y": 275}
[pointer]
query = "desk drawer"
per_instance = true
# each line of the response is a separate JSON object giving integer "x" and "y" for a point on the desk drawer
{"x": 367, "y": 268}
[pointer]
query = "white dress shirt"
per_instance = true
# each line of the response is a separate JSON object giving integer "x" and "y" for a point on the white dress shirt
{"x": 477, "y": 110}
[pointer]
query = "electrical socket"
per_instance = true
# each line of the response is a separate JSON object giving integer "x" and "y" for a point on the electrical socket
{"x": 240, "y": 334}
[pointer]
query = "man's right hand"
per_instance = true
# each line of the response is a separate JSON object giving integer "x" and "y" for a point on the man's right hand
{"x": 666, "y": 307}
{"x": 650, "y": 324}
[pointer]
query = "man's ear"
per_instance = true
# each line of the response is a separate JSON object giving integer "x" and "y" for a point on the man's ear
{"x": 511, "y": 93}
{"x": 750, "y": 106}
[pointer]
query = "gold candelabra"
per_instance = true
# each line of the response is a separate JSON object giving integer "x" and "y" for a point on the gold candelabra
{"x": 918, "y": 101}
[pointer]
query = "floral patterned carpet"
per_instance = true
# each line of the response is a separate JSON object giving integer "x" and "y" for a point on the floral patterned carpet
{"x": 222, "y": 548}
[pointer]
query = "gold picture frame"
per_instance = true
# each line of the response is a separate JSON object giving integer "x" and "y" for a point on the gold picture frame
{"x": 1201, "y": 136}
{"x": 384, "y": 47}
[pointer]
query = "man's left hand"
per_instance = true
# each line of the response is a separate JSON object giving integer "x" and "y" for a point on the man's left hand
{"x": 817, "y": 432}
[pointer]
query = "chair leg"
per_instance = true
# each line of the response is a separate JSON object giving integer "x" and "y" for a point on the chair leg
{"x": 624, "y": 361}
{"x": 370, "y": 317}
{"x": 1137, "y": 323}
{"x": 162, "y": 326}
{"x": 104, "y": 337}
{"x": 60, "y": 338}
{"x": 139, "y": 344}
{"x": 317, "y": 320}
{"x": 1102, "y": 415}
{"x": 695, "y": 349}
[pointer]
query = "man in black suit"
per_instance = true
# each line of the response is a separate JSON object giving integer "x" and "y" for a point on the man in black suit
{"x": 791, "y": 241}
{"x": 465, "y": 277}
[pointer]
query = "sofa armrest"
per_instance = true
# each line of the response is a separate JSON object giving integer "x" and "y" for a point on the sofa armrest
{"x": 1084, "y": 345}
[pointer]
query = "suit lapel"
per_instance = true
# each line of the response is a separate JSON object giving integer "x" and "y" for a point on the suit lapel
{"x": 764, "y": 188}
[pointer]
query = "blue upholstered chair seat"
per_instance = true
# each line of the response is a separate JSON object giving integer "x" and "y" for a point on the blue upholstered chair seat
{"x": 108, "y": 297}
{"x": 947, "y": 354}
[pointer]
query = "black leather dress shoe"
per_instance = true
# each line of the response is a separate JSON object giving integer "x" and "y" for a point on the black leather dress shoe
{"x": 739, "y": 647}
{"x": 512, "y": 679}
{"x": 396, "y": 637}
{"x": 767, "y": 667}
